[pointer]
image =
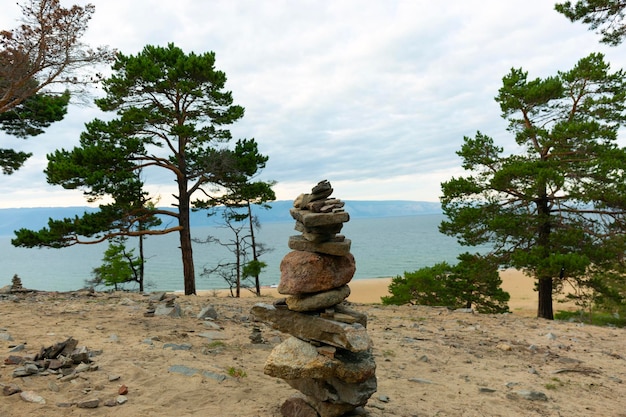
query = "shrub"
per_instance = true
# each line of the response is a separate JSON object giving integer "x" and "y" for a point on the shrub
{"x": 472, "y": 283}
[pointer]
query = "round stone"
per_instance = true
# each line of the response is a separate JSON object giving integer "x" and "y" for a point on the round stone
{"x": 304, "y": 272}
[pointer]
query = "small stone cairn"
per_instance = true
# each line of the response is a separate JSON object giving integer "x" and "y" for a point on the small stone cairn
{"x": 328, "y": 357}
{"x": 16, "y": 284}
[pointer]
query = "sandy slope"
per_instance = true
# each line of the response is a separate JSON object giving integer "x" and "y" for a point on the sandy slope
{"x": 430, "y": 361}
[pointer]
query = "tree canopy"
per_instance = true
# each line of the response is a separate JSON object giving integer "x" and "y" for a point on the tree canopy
{"x": 29, "y": 118}
{"x": 606, "y": 16}
{"x": 554, "y": 206}
{"x": 42, "y": 53}
{"x": 46, "y": 50}
{"x": 171, "y": 109}
{"x": 119, "y": 267}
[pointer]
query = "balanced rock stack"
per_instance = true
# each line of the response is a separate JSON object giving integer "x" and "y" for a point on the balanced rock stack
{"x": 16, "y": 284}
{"x": 328, "y": 357}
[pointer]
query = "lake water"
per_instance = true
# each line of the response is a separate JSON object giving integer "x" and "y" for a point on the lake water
{"x": 382, "y": 247}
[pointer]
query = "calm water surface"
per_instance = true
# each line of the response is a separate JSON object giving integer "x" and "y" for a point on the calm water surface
{"x": 382, "y": 247}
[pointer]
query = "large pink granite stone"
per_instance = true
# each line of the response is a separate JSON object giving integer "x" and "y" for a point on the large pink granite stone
{"x": 304, "y": 272}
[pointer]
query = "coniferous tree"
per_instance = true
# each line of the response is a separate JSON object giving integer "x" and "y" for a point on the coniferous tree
{"x": 171, "y": 110}
{"x": 549, "y": 207}
{"x": 119, "y": 266}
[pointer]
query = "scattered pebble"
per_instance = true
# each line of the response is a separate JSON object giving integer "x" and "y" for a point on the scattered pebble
{"x": 90, "y": 403}
{"x": 32, "y": 397}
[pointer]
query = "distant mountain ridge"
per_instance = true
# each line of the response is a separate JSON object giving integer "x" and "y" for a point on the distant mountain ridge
{"x": 37, "y": 217}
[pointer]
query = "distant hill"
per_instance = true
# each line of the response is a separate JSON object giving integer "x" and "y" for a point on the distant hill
{"x": 36, "y": 218}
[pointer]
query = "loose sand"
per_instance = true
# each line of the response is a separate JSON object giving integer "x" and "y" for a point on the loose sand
{"x": 430, "y": 361}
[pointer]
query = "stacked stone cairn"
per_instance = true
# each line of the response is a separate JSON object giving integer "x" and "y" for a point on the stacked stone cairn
{"x": 16, "y": 284}
{"x": 328, "y": 356}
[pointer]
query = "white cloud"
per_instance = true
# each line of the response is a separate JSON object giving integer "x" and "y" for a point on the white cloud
{"x": 373, "y": 96}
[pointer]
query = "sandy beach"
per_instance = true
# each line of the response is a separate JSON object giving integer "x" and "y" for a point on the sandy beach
{"x": 367, "y": 291}
{"x": 429, "y": 361}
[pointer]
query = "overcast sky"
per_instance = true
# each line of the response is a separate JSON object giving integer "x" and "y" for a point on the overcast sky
{"x": 375, "y": 96}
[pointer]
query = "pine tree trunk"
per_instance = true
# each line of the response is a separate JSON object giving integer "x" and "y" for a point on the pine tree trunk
{"x": 544, "y": 286}
{"x": 255, "y": 257}
{"x": 238, "y": 266}
{"x": 185, "y": 239}
{"x": 544, "y": 309}
{"x": 142, "y": 264}
{"x": 187, "y": 256}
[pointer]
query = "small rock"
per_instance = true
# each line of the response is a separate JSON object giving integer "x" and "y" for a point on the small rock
{"x": 550, "y": 336}
{"x": 213, "y": 335}
{"x": 114, "y": 378}
{"x": 328, "y": 351}
{"x": 211, "y": 325}
{"x": 5, "y": 336}
{"x": 18, "y": 348}
{"x": 169, "y": 311}
{"x": 187, "y": 371}
{"x": 28, "y": 369}
{"x": 13, "y": 360}
{"x": 184, "y": 370}
{"x": 208, "y": 312}
{"x": 111, "y": 402}
{"x": 52, "y": 386}
{"x": 532, "y": 395}
{"x": 32, "y": 397}
{"x": 11, "y": 389}
{"x": 69, "y": 377}
{"x": 83, "y": 367}
{"x": 157, "y": 296}
{"x": 174, "y": 346}
{"x": 126, "y": 302}
{"x": 123, "y": 390}
{"x": 420, "y": 380}
{"x": 121, "y": 399}
{"x": 383, "y": 398}
{"x": 91, "y": 403}
{"x": 486, "y": 390}
{"x": 503, "y": 347}
{"x": 55, "y": 364}
{"x": 297, "y": 406}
